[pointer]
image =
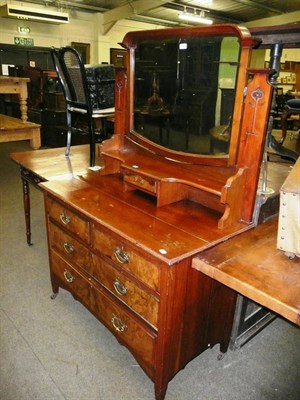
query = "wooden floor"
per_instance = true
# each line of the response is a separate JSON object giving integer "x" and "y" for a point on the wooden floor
{"x": 14, "y": 129}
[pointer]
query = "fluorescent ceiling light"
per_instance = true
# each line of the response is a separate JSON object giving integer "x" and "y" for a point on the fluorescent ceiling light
{"x": 200, "y": 18}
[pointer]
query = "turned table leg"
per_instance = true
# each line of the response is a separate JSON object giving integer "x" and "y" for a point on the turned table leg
{"x": 28, "y": 177}
{"x": 26, "y": 203}
{"x": 23, "y": 95}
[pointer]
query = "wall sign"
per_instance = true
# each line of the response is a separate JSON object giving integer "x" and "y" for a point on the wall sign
{"x": 20, "y": 41}
{"x": 23, "y": 29}
{"x": 117, "y": 57}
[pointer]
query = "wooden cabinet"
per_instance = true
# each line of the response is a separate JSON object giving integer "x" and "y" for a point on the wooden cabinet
{"x": 122, "y": 238}
{"x": 161, "y": 309}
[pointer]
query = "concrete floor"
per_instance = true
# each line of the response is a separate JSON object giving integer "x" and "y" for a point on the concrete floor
{"x": 55, "y": 349}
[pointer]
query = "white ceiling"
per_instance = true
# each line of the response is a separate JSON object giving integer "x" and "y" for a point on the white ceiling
{"x": 165, "y": 13}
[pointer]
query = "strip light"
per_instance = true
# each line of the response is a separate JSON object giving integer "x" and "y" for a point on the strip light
{"x": 200, "y": 18}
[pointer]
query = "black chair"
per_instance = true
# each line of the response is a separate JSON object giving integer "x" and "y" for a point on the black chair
{"x": 73, "y": 78}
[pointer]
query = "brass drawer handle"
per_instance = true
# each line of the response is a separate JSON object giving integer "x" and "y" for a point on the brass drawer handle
{"x": 69, "y": 277}
{"x": 120, "y": 288}
{"x": 68, "y": 248}
{"x": 121, "y": 255}
{"x": 64, "y": 219}
{"x": 118, "y": 324}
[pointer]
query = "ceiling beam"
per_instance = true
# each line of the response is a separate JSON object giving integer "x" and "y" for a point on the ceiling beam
{"x": 288, "y": 18}
{"x": 133, "y": 8}
{"x": 256, "y": 4}
{"x": 111, "y": 17}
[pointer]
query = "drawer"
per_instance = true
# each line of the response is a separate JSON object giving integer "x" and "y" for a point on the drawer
{"x": 68, "y": 247}
{"x": 143, "y": 303}
{"x": 138, "y": 181}
{"x": 126, "y": 328}
{"x": 72, "y": 280}
{"x": 69, "y": 220}
{"x": 140, "y": 341}
{"x": 130, "y": 260}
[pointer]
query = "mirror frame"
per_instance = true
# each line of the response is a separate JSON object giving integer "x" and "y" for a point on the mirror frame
{"x": 246, "y": 41}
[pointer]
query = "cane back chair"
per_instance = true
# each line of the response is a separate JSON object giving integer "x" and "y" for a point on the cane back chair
{"x": 73, "y": 78}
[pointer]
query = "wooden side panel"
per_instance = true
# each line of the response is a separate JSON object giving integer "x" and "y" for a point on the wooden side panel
{"x": 232, "y": 195}
{"x": 210, "y": 310}
{"x": 196, "y": 316}
{"x": 253, "y": 133}
{"x": 221, "y": 313}
{"x": 120, "y": 100}
{"x": 170, "y": 325}
{"x": 239, "y": 105}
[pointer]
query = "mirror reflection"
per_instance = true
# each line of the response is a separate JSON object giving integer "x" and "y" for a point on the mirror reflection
{"x": 184, "y": 92}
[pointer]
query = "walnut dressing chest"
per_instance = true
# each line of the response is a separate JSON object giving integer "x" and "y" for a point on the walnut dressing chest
{"x": 132, "y": 269}
{"x": 122, "y": 239}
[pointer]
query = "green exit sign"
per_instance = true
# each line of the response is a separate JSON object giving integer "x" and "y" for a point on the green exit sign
{"x": 21, "y": 41}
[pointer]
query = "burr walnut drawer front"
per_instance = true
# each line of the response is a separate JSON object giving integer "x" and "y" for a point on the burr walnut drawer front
{"x": 72, "y": 279}
{"x": 132, "y": 294}
{"x": 69, "y": 220}
{"x": 121, "y": 253}
{"x": 122, "y": 323}
{"x": 68, "y": 247}
{"x": 129, "y": 330}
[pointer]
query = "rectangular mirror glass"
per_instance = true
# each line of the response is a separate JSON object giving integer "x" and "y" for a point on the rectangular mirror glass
{"x": 184, "y": 92}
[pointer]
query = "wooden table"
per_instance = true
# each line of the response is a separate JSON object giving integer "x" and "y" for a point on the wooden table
{"x": 47, "y": 165}
{"x": 16, "y": 85}
{"x": 251, "y": 265}
{"x": 12, "y": 129}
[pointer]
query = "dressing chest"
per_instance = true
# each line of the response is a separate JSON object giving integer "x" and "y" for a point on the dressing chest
{"x": 122, "y": 239}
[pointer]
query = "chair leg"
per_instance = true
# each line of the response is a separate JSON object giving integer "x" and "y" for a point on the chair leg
{"x": 92, "y": 143}
{"x": 69, "y": 133}
{"x": 284, "y": 117}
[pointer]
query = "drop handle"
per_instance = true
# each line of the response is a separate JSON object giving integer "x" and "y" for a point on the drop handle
{"x": 121, "y": 255}
{"x": 120, "y": 288}
{"x": 118, "y": 324}
{"x": 69, "y": 277}
{"x": 68, "y": 248}
{"x": 64, "y": 219}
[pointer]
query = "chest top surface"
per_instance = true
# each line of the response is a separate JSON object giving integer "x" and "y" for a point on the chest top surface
{"x": 170, "y": 233}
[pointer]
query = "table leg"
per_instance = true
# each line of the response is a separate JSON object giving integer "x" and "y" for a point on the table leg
{"x": 26, "y": 203}
{"x": 23, "y": 95}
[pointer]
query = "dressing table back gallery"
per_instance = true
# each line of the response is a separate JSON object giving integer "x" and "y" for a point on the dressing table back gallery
{"x": 178, "y": 176}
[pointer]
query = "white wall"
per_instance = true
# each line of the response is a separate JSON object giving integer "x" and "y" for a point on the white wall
{"x": 116, "y": 35}
{"x": 83, "y": 27}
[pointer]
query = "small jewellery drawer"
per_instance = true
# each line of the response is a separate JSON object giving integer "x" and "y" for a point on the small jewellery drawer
{"x": 128, "y": 330}
{"x": 72, "y": 280}
{"x": 119, "y": 252}
{"x": 68, "y": 219}
{"x": 143, "y": 183}
{"x": 143, "y": 303}
{"x": 68, "y": 247}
